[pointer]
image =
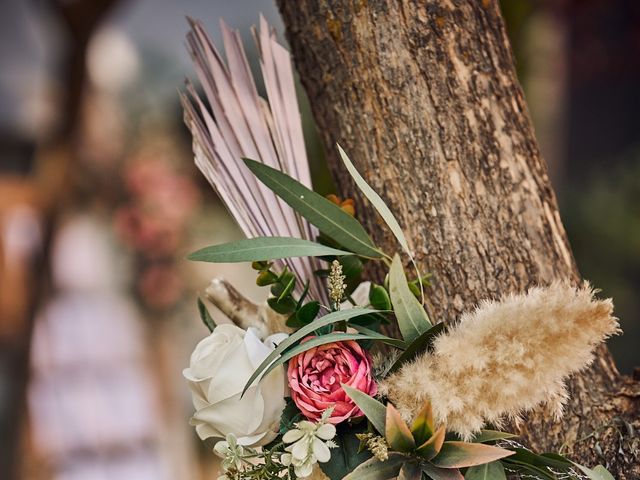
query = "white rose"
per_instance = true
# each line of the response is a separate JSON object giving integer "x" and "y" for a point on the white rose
{"x": 220, "y": 366}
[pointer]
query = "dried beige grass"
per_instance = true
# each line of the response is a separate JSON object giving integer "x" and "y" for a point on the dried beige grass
{"x": 505, "y": 357}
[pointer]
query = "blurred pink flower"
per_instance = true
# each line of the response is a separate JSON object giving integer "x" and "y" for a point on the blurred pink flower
{"x": 160, "y": 286}
{"x": 315, "y": 379}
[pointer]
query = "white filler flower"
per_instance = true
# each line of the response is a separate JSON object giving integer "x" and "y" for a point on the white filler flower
{"x": 220, "y": 366}
{"x": 310, "y": 443}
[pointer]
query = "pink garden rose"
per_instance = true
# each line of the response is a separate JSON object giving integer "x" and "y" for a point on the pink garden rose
{"x": 315, "y": 377}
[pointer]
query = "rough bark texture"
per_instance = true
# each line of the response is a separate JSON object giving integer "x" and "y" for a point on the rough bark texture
{"x": 423, "y": 95}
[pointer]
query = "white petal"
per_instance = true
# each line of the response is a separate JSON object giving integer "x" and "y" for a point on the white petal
{"x": 221, "y": 448}
{"x": 304, "y": 470}
{"x": 301, "y": 449}
{"x": 292, "y": 436}
{"x": 320, "y": 450}
{"x": 326, "y": 431}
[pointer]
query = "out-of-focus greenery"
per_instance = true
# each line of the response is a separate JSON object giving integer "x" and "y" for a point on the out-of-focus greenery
{"x": 603, "y": 222}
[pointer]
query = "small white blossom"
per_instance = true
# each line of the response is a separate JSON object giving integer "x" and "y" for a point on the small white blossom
{"x": 310, "y": 443}
{"x": 230, "y": 452}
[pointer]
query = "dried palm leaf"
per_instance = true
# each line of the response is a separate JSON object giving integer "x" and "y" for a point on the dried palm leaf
{"x": 232, "y": 121}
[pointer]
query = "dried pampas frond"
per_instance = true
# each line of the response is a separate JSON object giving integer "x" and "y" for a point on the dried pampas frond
{"x": 505, "y": 357}
{"x": 232, "y": 122}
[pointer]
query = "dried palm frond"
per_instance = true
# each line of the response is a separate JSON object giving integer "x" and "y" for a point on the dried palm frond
{"x": 232, "y": 122}
{"x": 505, "y": 357}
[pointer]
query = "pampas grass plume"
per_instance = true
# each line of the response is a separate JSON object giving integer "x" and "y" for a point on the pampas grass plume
{"x": 505, "y": 357}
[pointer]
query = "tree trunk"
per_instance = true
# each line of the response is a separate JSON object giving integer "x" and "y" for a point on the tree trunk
{"x": 423, "y": 95}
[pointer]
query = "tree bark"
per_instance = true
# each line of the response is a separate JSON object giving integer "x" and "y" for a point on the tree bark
{"x": 423, "y": 95}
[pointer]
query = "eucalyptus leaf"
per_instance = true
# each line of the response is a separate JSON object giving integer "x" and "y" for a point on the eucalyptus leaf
{"x": 328, "y": 319}
{"x": 412, "y": 319}
{"x": 262, "y": 249}
{"x": 205, "y": 316}
{"x": 381, "y": 208}
{"x": 374, "y": 469}
{"x": 374, "y": 410}
{"x": 488, "y": 471}
{"x": 376, "y": 201}
{"x": 378, "y": 336}
{"x": 327, "y": 216}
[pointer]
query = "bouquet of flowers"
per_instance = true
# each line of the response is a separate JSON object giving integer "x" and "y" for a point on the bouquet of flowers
{"x": 308, "y": 384}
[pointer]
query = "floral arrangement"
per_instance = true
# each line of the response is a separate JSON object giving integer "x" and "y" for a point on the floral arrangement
{"x": 307, "y": 385}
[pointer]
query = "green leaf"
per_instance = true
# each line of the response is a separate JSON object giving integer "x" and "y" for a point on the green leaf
{"x": 283, "y": 307}
{"x": 377, "y": 335}
{"x": 205, "y": 316}
{"x": 288, "y": 288}
{"x": 522, "y": 467}
{"x": 412, "y": 319}
{"x": 432, "y": 447}
{"x": 327, "y": 216}
{"x": 491, "y": 435}
{"x": 598, "y": 473}
{"x": 347, "y": 456}
{"x": 380, "y": 207}
{"x": 379, "y": 297}
{"x": 374, "y": 469}
{"x": 410, "y": 471}
{"x": 418, "y": 346}
{"x": 525, "y": 461}
{"x": 396, "y": 432}
{"x": 539, "y": 464}
{"x": 436, "y": 473}
{"x": 488, "y": 471}
{"x": 308, "y": 312}
{"x": 374, "y": 410}
{"x": 328, "y": 319}
{"x": 262, "y": 249}
{"x": 463, "y": 454}
{"x": 376, "y": 201}
{"x": 290, "y": 415}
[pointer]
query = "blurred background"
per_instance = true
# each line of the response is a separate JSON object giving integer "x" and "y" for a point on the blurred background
{"x": 100, "y": 201}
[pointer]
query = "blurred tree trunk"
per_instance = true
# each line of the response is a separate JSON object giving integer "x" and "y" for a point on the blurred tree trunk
{"x": 424, "y": 97}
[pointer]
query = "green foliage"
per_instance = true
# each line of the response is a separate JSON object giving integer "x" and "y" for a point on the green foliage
{"x": 379, "y": 297}
{"x": 421, "y": 344}
{"x": 488, "y": 471}
{"x": 262, "y": 249}
{"x": 374, "y": 410}
{"x": 374, "y": 469}
{"x": 304, "y": 315}
{"x": 412, "y": 319}
{"x": 205, "y": 316}
{"x": 347, "y": 456}
{"x": 464, "y": 454}
{"x": 376, "y": 201}
{"x": 491, "y": 435}
{"x": 290, "y": 415}
{"x": 327, "y": 216}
